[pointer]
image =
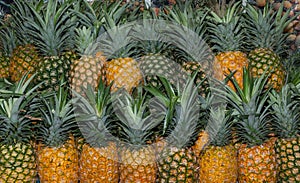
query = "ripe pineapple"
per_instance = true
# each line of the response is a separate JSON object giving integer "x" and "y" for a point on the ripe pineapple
{"x": 256, "y": 154}
{"x": 177, "y": 161}
{"x": 285, "y": 117}
{"x": 17, "y": 155}
{"x": 218, "y": 162}
{"x": 267, "y": 42}
{"x": 99, "y": 155}
{"x": 87, "y": 68}
{"x": 24, "y": 56}
{"x": 227, "y": 35}
{"x": 57, "y": 153}
{"x": 54, "y": 39}
{"x": 120, "y": 68}
{"x": 137, "y": 158}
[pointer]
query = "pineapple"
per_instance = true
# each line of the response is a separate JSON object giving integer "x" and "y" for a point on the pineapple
{"x": 52, "y": 29}
{"x": 57, "y": 154}
{"x": 218, "y": 162}
{"x": 99, "y": 155}
{"x": 227, "y": 36}
{"x": 137, "y": 157}
{"x": 267, "y": 42}
{"x": 194, "y": 20}
{"x": 121, "y": 69}
{"x": 256, "y": 154}
{"x": 17, "y": 153}
{"x": 176, "y": 160}
{"x": 24, "y": 56}
{"x": 87, "y": 68}
{"x": 285, "y": 113}
{"x": 8, "y": 43}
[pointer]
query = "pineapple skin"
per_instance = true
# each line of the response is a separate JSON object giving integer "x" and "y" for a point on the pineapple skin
{"x": 218, "y": 165}
{"x": 24, "y": 59}
{"x": 288, "y": 159}
{"x": 137, "y": 165}
{"x": 262, "y": 59}
{"x": 257, "y": 164}
{"x": 123, "y": 72}
{"x": 86, "y": 70}
{"x": 17, "y": 163}
{"x": 53, "y": 68}
{"x": 200, "y": 143}
{"x": 4, "y": 65}
{"x": 232, "y": 61}
{"x": 58, "y": 164}
{"x": 99, "y": 164}
{"x": 177, "y": 165}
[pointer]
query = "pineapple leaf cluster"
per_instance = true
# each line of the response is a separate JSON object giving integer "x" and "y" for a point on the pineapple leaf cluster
{"x": 17, "y": 105}
{"x": 286, "y": 111}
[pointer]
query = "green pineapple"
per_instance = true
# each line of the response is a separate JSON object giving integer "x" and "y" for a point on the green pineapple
{"x": 52, "y": 28}
{"x": 285, "y": 117}
{"x": 256, "y": 154}
{"x": 57, "y": 153}
{"x": 176, "y": 160}
{"x": 138, "y": 117}
{"x": 17, "y": 154}
{"x": 267, "y": 42}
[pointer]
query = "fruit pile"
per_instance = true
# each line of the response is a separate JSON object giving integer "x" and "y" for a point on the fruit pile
{"x": 103, "y": 91}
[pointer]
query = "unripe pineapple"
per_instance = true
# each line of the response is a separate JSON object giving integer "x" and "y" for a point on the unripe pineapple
{"x": 17, "y": 153}
{"x": 285, "y": 118}
{"x": 177, "y": 161}
{"x": 54, "y": 39}
{"x": 267, "y": 43}
{"x": 99, "y": 153}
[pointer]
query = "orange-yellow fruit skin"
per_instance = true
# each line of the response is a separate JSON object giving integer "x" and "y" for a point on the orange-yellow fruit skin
{"x": 124, "y": 73}
{"x": 218, "y": 165}
{"x": 229, "y": 62}
{"x": 138, "y": 165}
{"x": 58, "y": 164}
{"x": 99, "y": 164}
{"x": 200, "y": 143}
{"x": 257, "y": 164}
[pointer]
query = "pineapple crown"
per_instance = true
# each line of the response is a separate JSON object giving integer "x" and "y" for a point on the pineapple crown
{"x": 138, "y": 116}
{"x": 58, "y": 117}
{"x": 186, "y": 117}
{"x": 286, "y": 111}
{"x": 226, "y": 29}
{"x": 219, "y": 126}
{"x": 93, "y": 119}
{"x": 8, "y": 40}
{"x": 16, "y": 110}
{"x": 52, "y": 26}
{"x": 250, "y": 106}
{"x": 265, "y": 27}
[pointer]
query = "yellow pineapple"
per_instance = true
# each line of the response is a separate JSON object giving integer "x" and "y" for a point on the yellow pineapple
{"x": 57, "y": 152}
{"x": 218, "y": 161}
{"x": 99, "y": 153}
{"x": 256, "y": 154}
{"x": 137, "y": 157}
{"x": 227, "y": 36}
